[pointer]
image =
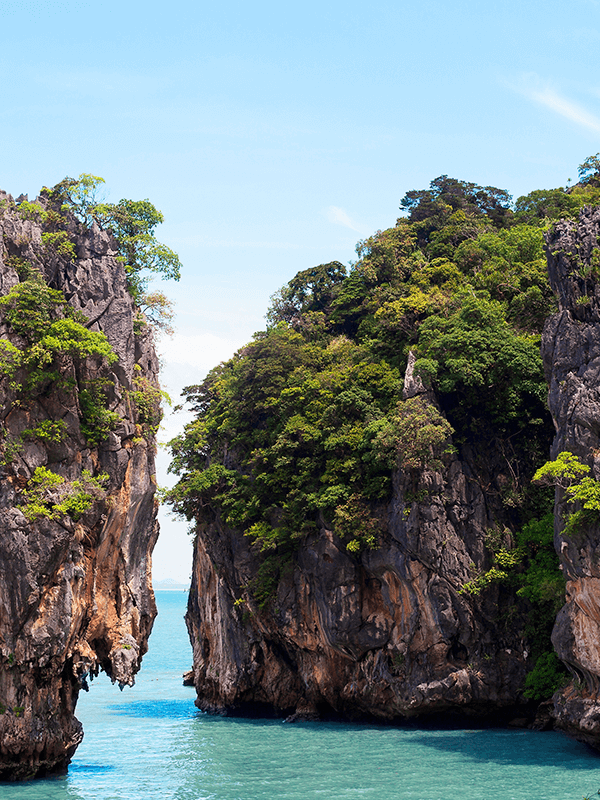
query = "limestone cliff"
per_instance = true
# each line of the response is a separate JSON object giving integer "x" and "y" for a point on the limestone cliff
{"x": 77, "y": 507}
{"x": 571, "y": 351}
{"x": 387, "y": 633}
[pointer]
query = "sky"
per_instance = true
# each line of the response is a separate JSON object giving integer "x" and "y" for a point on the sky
{"x": 274, "y": 136}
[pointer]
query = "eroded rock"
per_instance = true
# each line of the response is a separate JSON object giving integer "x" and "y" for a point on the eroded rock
{"x": 571, "y": 352}
{"x": 75, "y": 594}
{"x": 388, "y": 633}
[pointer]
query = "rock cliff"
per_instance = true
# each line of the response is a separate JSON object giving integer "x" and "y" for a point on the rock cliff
{"x": 571, "y": 352}
{"x": 389, "y": 632}
{"x": 77, "y": 507}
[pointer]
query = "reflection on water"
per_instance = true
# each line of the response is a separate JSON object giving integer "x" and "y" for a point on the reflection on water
{"x": 151, "y": 743}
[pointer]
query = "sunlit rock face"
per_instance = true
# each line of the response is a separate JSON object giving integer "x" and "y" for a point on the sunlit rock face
{"x": 75, "y": 590}
{"x": 571, "y": 352}
{"x": 387, "y": 633}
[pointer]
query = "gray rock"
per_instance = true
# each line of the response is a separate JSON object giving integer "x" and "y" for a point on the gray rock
{"x": 386, "y": 634}
{"x": 75, "y": 595}
{"x": 571, "y": 352}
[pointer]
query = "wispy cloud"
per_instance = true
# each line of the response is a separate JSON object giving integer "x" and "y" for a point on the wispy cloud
{"x": 533, "y": 87}
{"x": 338, "y": 216}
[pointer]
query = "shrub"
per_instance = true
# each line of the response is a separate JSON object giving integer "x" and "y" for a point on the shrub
{"x": 568, "y": 472}
{"x": 47, "y": 431}
{"x": 147, "y": 399}
{"x": 547, "y": 676}
{"x": 51, "y": 496}
{"x": 97, "y": 420}
{"x": 59, "y": 242}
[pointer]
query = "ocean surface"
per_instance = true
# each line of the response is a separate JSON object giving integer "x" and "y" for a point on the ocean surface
{"x": 149, "y": 742}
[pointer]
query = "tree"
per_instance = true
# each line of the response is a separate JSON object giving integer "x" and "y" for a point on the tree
{"x": 158, "y": 311}
{"x": 80, "y": 194}
{"x": 485, "y": 368}
{"x": 446, "y": 195}
{"x": 570, "y": 474}
{"x": 131, "y": 222}
{"x": 589, "y": 171}
{"x": 542, "y": 205}
{"x": 309, "y": 290}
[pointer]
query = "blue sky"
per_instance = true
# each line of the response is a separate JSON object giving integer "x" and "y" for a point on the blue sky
{"x": 274, "y": 136}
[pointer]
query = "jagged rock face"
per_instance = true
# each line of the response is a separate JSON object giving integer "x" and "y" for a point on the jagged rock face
{"x": 75, "y": 593}
{"x": 571, "y": 352}
{"x": 386, "y": 634}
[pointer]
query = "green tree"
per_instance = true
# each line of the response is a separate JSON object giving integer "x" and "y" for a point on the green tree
{"x": 81, "y": 194}
{"x": 544, "y": 205}
{"x": 447, "y": 195}
{"x": 589, "y": 170}
{"x": 132, "y": 223}
{"x": 482, "y": 365}
{"x": 311, "y": 290}
{"x": 581, "y": 490}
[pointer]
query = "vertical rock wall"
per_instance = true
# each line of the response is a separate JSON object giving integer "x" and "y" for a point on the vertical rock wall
{"x": 75, "y": 594}
{"x": 571, "y": 352}
{"x": 386, "y": 633}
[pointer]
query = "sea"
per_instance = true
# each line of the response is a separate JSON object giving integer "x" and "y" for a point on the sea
{"x": 150, "y": 742}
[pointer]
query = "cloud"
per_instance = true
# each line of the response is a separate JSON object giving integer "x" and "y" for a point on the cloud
{"x": 339, "y": 217}
{"x": 538, "y": 91}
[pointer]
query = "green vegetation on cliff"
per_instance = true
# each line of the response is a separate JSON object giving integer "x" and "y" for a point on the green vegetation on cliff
{"x": 49, "y": 330}
{"x": 133, "y": 224}
{"x": 47, "y": 346}
{"x": 305, "y": 426}
{"x": 309, "y": 416}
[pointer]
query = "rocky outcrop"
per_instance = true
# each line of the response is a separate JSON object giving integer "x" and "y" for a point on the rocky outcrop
{"x": 75, "y": 584}
{"x": 388, "y": 633}
{"x": 571, "y": 352}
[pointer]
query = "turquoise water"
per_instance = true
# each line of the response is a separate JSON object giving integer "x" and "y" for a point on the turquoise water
{"x": 151, "y": 743}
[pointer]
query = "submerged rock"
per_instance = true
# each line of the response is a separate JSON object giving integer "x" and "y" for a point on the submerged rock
{"x": 75, "y": 580}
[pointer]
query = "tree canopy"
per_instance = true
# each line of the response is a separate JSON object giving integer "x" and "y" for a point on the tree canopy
{"x": 305, "y": 425}
{"x": 132, "y": 223}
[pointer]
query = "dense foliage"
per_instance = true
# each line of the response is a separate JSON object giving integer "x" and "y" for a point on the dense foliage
{"x": 309, "y": 417}
{"x": 305, "y": 425}
{"x": 47, "y": 345}
{"x": 45, "y": 330}
{"x": 529, "y": 570}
